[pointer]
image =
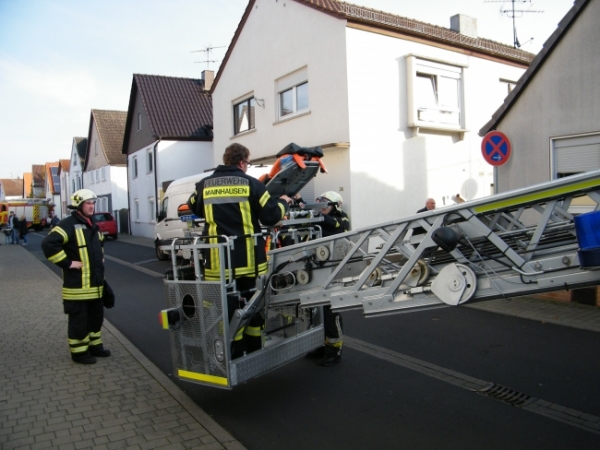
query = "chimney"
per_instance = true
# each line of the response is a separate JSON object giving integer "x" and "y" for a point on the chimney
{"x": 464, "y": 25}
{"x": 208, "y": 76}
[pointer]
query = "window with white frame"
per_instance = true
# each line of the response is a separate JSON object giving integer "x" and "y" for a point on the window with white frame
{"x": 244, "y": 115}
{"x": 97, "y": 175}
{"x": 139, "y": 121}
{"x": 152, "y": 210}
{"x": 91, "y": 177}
{"x": 292, "y": 94}
{"x": 136, "y": 211}
{"x": 78, "y": 182}
{"x": 134, "y": 167}
{"x": 434, "y": 94}
{"x": 103, "y": 173}
{"x": 575, "y": 154}
{"x": 73, "y": 186}
{"x": 150, "y": 162}
{"x": 100, "y": 204}
{"x": 96, "y": 148}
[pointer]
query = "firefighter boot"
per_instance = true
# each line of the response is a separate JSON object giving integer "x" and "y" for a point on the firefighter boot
{"x": 318, "y": 353}
{"x": 333, "y": 355}
{"x": 83, "y": 358}
{"x": 253, "y": 343}
{"x": 99, "y": 351}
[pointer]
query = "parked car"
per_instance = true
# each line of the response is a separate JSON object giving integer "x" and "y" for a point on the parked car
{"x": 107, "y": 224}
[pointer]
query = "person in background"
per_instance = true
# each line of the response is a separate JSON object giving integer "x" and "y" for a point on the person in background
{"x": 55, "y": 220}
{"x": 429, "y": 205}
{"x": 76, "y": 245}
{"x": 7, "y": 233}
{"x": 23, "y": 230}
{"x": 335, "y": 221}
{"x": 13, "y": 224}
{"x": 233, "y": 203}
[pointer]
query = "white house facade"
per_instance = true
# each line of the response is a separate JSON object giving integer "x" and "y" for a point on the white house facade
{"x": 168, "y": 135}
{"x": 75, "y": 174}
{"x": 105, "y": 170}
{"x": 65, "y": 191}
{"x": 158, "y": 165}
{"x": 396, "y": 111}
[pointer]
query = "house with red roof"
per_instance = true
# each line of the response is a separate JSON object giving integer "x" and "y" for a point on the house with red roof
{"x": 168, "y": 135}
{"x": 52, "y": 183}
{"x": 395, "y": 103}
{"x": 105, "y": 168}
{"x": 38, "y": 181}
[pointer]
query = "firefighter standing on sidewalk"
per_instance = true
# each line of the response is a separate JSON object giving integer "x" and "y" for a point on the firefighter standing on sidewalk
{"x": 76, "y": 245}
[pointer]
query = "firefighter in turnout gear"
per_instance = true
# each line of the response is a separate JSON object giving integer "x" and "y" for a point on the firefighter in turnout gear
{"x": 334, "y": 221}
{"x": 234, "y": 204}
{"x": 76, "y": 245}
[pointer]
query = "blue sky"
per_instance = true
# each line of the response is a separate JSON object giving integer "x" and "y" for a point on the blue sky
{"x": 61, "y": 58}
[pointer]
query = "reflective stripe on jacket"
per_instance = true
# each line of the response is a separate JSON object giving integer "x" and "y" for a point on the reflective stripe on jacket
{"x": 73, "y": 239}
{"x": 232, "y": 204}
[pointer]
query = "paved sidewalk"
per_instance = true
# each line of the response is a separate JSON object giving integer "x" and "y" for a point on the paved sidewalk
{"x": 124, "y": 401}
{"x": 573, "y": 315}
{"x": 47, "y": 401}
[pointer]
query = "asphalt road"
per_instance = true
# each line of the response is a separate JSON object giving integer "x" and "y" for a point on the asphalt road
{"x": 368, "y": 401}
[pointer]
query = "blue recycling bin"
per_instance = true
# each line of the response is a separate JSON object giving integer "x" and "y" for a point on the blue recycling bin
{"x": 587, "y": 228}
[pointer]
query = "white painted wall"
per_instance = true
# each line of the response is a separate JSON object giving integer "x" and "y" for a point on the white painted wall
{"x": 357, "y": 95}
{"x": 278, "y": 39}
{"x": 173, "y": 160}
{"x": 118, "y": 186}
{"x": 65, "y": 194}
{"x": 75, "y": 180}
{"x": 141, "y": 190}
{"x": 400, "y": 169}
{"x": 178, "y": 159}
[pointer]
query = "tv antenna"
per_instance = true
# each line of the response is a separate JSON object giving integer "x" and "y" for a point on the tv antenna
{"x": 207, "y": 50}
{"x": 515, "y": 14}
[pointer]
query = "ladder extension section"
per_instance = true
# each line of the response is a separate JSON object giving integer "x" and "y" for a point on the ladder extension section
{"x": 510, "y": 244}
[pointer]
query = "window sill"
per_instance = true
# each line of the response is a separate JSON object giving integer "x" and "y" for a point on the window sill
{"x": 437, "y": 127}
{"x": 243, "y": 133}
{"x": 291, "y": 117}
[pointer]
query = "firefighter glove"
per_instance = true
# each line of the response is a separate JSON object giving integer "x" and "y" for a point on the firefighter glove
{"x": 108, "y": 299}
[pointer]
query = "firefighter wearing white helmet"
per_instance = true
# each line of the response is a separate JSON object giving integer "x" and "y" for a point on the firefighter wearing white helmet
{"x": 81, "y": 196}
{"x": 334, "y": 221}
{"x": 75, "y": 245}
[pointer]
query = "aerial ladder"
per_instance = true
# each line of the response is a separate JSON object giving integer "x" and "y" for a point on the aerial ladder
{"x": 511, "y": 244}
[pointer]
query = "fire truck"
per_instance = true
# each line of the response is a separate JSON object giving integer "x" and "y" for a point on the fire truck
{"x": 36, "y": 210}
{"x": 516, "y": 243}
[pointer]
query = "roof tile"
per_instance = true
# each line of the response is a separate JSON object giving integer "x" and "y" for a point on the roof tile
{"x": 111, "y": 128}
{"x": 177, "y": 108}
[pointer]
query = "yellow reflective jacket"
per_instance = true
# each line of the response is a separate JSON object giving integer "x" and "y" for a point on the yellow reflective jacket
{"x": 74, "y": 239}
{"x": 235, "y": 204}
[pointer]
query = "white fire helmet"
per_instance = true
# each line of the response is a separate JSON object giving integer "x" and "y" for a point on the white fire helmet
{"x": 81, "y": 196}
{"x": 331, "y": 196}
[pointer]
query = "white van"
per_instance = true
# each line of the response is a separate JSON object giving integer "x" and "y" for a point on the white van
{"x": 170, "y": 226}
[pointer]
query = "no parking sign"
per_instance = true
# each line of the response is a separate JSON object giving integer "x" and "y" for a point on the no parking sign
{"x": 495, "y": 148}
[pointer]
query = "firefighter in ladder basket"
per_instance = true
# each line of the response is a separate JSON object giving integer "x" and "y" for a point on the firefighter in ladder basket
{"x": 232, "y": 204}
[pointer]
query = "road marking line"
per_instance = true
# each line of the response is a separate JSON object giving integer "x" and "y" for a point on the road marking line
{"x": 133, "y": 266}
{"x": 148, "y": 261}
{"x": 545, "y": 408}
